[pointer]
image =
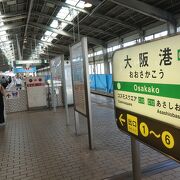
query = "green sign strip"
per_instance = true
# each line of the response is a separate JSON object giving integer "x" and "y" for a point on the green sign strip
{"x": 178, "y": 54}
{"x": 163, "y": 90}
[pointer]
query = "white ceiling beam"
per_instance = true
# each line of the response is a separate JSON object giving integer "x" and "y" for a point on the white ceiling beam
{"x": 64, "y": 33}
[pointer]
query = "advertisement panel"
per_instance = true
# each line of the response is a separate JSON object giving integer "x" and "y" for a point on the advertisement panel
{"x": 36, "y": 92}
{"x": 78, "y": 78}
{"x": 147, "y": 93}
{"x": 81, "y": 85}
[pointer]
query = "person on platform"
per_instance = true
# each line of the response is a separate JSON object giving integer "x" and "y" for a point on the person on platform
{"x": 4, "y": 82}
{"x": 2, "y": 93}
{"x": 18, "y": 83}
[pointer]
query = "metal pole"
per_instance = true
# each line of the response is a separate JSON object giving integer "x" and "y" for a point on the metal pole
{"x": 135, "y": 159}
{"x": 76, "y": 122}
{"x": 90, "y": 131}
{"x": 66, "y": 108}
{"x": 94, "y": 69}
{"x": 65, "y": 91}
{"x": 53, "y": 93}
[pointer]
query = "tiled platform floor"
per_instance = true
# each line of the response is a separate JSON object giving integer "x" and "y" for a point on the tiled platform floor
{"x": 38, "y": 146}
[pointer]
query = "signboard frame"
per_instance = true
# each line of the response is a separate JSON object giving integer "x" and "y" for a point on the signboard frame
{"x": 53, "y": 75}
{"x": 86, "y": 86}
{"x": 83, "y": 76}
{"x": 121, "y": 117}
{"x": 61, "y": 75}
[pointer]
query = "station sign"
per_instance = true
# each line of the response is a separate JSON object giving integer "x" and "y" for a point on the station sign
{"x": 28, "y": 62}
{"x": 25, "y": 70}
{"x": 35, "y": 82}
{"x": 147, "y": 93}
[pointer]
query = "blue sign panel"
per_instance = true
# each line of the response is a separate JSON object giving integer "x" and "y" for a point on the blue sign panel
{"x": 24, "y": 70}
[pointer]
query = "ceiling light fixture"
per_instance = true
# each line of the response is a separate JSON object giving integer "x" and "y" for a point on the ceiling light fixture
{"x": 50, "y": 5}
{"x": 88, "y": 3}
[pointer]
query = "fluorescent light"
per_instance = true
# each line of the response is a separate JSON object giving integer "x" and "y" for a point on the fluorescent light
{"x": 29, "y": 62}
{"x": 64, "y": 11}
{"x": 48, "y": 33}
{"x": 11, "y": 2}
{"x": 50, "y": 5}
{"x": 54, "y": 24}
{"x": 88, "y": 3}
{"x": 54, "y": 35}
{"x": 81, "y": 4}
{"x": 72, "y": 2}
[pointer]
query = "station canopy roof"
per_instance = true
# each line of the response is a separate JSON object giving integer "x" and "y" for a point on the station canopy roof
{"x": 41, "y": 29}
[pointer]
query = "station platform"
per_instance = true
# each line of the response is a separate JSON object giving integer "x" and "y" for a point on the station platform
{"x": 37, "y": 145}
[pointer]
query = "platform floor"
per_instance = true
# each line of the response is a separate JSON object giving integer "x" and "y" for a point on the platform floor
{"x": 38, "y": 145}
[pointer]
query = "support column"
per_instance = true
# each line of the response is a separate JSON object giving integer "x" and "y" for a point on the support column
{"x": 121, "y": 42}
{"x": 18, "y": 47}
{"x": 172, "y": 28}
{"x": 106, "y": 63}
{"x": 94, "y": 62}
{"x": 141, "y": 36}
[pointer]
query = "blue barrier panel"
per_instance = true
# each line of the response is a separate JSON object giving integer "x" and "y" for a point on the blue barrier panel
{"x": 92, "y": 82}
{"x": 109, "y": 83}
{"x": 101, "y": 82}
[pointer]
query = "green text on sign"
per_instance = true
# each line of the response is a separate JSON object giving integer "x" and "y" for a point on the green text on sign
{"x": 151, "y": 102}
{"x": 178, "y": 54}
{"x": 163, "y": 90}
{"x": 140, "y": 100}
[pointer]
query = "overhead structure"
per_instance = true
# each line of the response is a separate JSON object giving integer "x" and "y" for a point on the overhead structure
{"x": 56, "y": 24}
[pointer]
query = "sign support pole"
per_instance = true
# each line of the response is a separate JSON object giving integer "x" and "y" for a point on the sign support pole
{"x": 135, "y": 159}
{"x": 66, "y": 106}
{"x": 53, "y": 93}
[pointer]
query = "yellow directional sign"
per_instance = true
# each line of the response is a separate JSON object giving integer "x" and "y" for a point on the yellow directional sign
{"x": 121, "y": 119}
{"x": 144, "y": 129}
{"x": 168, "y": 139}
{"x": 161, "y": 136}
{"x": 132, "y": 123}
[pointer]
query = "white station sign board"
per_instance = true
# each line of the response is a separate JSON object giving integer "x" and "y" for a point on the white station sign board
{"x": 36, "y": 92}
{"x": 147, "y": 86}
